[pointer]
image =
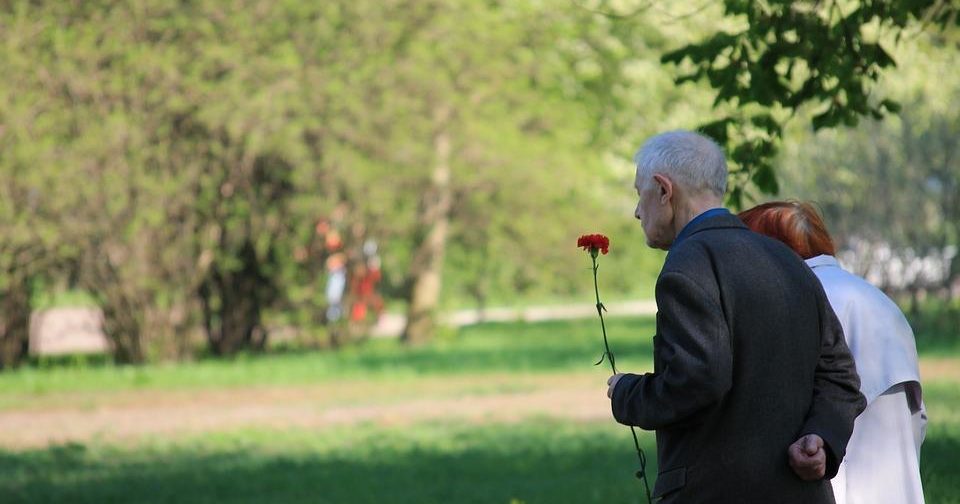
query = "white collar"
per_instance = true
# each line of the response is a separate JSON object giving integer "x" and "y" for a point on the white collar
{"x": 822, "y": 260}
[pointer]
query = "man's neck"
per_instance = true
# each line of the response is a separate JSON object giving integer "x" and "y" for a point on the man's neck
{"x": 692, "y": 208}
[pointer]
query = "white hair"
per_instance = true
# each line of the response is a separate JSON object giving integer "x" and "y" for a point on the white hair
{"x": 690, "y": 159}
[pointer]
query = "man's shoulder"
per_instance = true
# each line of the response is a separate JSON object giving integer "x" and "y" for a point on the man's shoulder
{"x": 699, "y": 255}
{"x": 711, "y": 243}
{"x": 737, "y": 249}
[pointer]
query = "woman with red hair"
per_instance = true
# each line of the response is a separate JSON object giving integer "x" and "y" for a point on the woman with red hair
{"x": 882, "y": 460}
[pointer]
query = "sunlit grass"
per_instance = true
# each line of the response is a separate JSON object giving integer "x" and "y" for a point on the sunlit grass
{"x": 536, "y": 461}
{"x": 506, "y": 347}
{"x": 533, "y": 460}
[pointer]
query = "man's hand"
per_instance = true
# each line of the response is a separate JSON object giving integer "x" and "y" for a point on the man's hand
{"x": 808, "y": 458}
{"x": 612, "y": 384}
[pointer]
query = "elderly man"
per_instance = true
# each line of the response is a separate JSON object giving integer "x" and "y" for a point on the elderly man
{"x": 754, "y": 392}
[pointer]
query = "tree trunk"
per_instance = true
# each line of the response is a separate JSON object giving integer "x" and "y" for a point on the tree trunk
{"x": 426, "y": 268}
{"x": 124, "y": 329}
{"x": 231, "y": 303}
{"x": 14, "y": 325}
{"x": 170, "y": 329}
{"x": 122, "y": 309}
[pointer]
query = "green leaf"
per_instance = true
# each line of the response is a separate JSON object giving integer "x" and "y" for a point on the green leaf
{"x": 891, "y": 105}
{"x": 765, "y": 179}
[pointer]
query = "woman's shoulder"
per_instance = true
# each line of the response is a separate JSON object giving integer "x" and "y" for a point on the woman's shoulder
{"x": 855, "y": 296}
{"x": 842, "y": 281}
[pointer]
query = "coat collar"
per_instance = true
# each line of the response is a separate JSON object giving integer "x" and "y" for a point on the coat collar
{"x": 714, "y": 221}
{"x": 822, "y": 260}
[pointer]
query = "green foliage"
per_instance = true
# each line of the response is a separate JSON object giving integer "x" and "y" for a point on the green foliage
{"x": 173, "y": 160}
{"x": 783, "y": 56}
{"x": 177, "y": 158}
{"x": 935, "y": 325}
{"x": 894, "y": 185}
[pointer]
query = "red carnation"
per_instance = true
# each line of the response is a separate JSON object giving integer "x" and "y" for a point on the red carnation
{"x": 594, "y": 242}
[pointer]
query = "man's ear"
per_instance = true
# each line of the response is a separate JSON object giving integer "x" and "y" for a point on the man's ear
{"x": 665, "y": 188}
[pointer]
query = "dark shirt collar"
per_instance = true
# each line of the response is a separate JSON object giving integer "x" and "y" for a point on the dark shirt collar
{"x": 686, "y": 231}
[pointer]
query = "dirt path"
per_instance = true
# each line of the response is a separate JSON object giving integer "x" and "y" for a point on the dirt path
{"x": 78, "y": 329}
{"x": 940, "y": 369}
{"x": 103, "y": 416}
{"x": 121, "y": 416}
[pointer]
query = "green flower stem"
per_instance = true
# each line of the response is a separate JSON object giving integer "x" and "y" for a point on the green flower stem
{"x": 642, "y": 473}
{"x": 600, "y": 310}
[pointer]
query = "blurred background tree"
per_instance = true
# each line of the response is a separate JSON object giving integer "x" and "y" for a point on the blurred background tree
{"x": 178, "y": 162}
{"x": 773, "y": 60}
{"x": 890, "y": 190}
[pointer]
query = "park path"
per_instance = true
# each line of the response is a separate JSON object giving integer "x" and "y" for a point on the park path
{"x": 38, "y": 421}
{"x": 81, "y": 417}
{"x": 392, "y": 324}
{"x": 482, "y": 398}
{"x": 119, "y": 416}
{"x": 78, "y": 329}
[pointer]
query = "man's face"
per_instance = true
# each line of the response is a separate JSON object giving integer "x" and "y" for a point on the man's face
{"x": 654, "y": 212}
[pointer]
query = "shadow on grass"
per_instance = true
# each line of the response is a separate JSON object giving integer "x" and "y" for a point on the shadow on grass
{"x": 574, "y": 470}
{"x": 551, "y": 462}
{"x": 488, "y": 465}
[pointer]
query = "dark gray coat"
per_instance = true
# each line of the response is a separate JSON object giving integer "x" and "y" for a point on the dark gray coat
{"x": 748, "y": 357}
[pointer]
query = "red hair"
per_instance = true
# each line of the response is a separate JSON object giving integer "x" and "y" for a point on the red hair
{"x": 794, "y": 223}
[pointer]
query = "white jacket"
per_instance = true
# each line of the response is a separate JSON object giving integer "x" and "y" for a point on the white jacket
{"x": 882, "y": 461}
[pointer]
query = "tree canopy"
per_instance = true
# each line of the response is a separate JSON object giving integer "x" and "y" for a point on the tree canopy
{"x": 179, "y": 161}
{"x": 782, "y": 57}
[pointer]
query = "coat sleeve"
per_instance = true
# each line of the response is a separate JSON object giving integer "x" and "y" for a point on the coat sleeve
{"x": 693, "y": 361}
{"x": 836, "y": 390}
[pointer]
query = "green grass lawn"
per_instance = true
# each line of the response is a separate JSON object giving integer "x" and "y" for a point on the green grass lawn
{"x": 533, "y": 460}
{"x": 536, "y": 461}
{"x": 495, "y": 347}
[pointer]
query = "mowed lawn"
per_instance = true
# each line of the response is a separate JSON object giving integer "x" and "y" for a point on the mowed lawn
{"x": 487, "y": 440}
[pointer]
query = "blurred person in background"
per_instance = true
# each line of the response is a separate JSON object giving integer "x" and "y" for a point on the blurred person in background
{"x": 364, "y": 285}
{"x": 336, "y": 283}
{"x": 883, "y": 456}
{"x": 336, "y": 268}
